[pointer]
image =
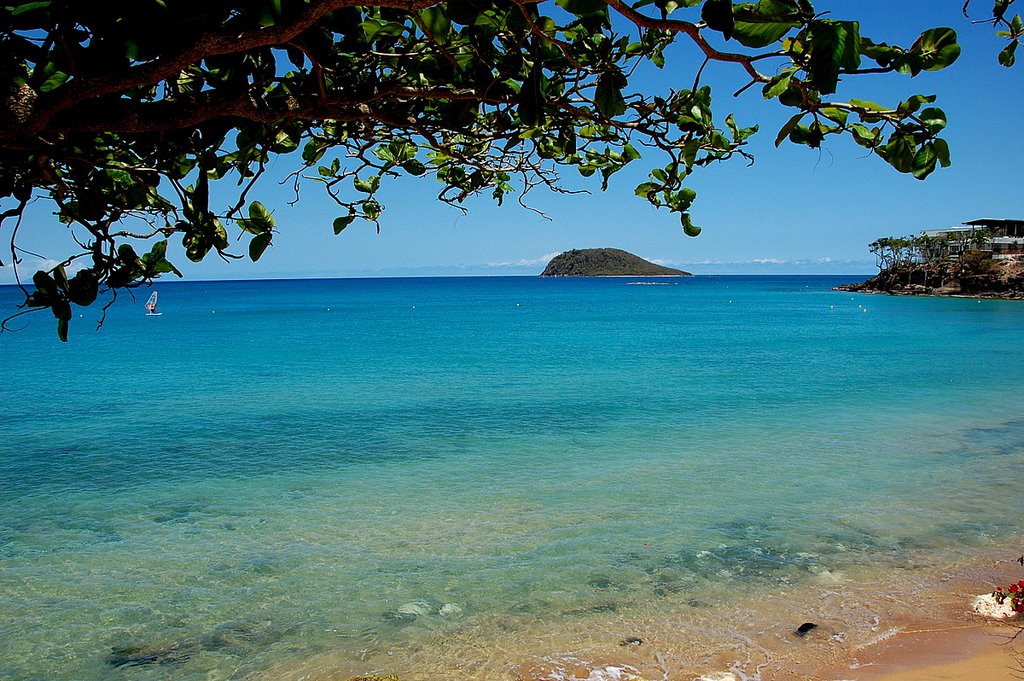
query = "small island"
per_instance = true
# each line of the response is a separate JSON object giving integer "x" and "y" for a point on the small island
{"x": 606, "y": 262}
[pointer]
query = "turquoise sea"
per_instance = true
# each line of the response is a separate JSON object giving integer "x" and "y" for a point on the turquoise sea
{"x": 498, "y": 478}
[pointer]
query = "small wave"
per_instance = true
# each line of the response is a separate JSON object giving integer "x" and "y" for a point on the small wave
{"x": 652, "y": 283}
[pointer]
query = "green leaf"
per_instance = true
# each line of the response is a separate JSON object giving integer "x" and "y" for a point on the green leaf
{"x": 45, "y": 284}
{"x": 583, "y": 8}
{"x": 899, "y": 153}
{"x": 759, "y": 35}
{"x": 261, "y": 217}
{"x": 646, "y": 190}
{"x": 368, "y": 186}
{"x": 341, "y": 223}
{"x": 531, "y": 98}
{"x": 83, "y": 287}
{"x": 936, "y": 49}
{"x": 258, "y": 245}
{"x": 314, "y": 150}
{"x": 789, "y": 126}
{"x": 608, "y": 96}
{"x": 29, "y": 6}
{"x": 717, "y": 14}
{"x": 864, "y": 136}
{"x": 372, "y": 209}
{"x": 1007, "y": 55}
{"x": 934, "y": 119}
{"x": 914, "y": 103}
{"x": 835, "y": 47}
{"x": 777, "y": 85}
{"x": 414, "y": 167}
{"x": 866, "y": 105}
{"x": 924, "y": 162}
{"x": 54, "y": 81}
{"x": 689, "y": 229}
{"x": 942, "y": 152}
{"x": 839, "y": 116}
{"x": 437, "y": 22}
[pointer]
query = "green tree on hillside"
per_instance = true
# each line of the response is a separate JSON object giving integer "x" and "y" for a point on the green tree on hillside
{"x": 121, "y": 115}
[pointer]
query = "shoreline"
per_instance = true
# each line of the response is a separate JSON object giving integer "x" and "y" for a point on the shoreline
{"x": 943, "y": 640}
{"x": 926, "y": 294}
{"x": 982, "y": 651}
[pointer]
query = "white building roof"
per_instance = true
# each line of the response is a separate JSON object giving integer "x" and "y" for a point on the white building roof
{"x": 948, "y": 230}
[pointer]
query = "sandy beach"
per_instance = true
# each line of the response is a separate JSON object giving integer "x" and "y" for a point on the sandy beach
{"x": 972, "y": 653}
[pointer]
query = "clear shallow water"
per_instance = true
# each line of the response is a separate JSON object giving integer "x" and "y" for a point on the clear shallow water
{"x": 277, "y": 479}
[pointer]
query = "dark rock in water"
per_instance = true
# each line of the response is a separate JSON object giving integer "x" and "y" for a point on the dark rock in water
{"x": 398, "y": 617}
{"x": 600, "y": 582}
{"x": 631, "y": 641}
{"x": 604, "y": 607}
{"x": 140, "y": 655}
{"x": 804, "y": 628}
{"x": 227, "y": 636}
{"x": 590, "y": 610}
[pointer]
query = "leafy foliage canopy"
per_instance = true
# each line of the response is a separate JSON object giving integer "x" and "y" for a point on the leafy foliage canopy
{"x": 123, "y": 114}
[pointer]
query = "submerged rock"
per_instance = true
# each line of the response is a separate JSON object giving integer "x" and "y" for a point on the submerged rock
{"x": 226, "y": 636}
{"x": 631, "y": 641}
{"x": 398, "y": 617}
{"x": 450, "y": 611}
{"x": 144, "y": 654}
{"x": 417, "y": 608}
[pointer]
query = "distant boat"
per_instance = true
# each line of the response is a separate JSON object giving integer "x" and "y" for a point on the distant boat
{"x": 151, "y": 306}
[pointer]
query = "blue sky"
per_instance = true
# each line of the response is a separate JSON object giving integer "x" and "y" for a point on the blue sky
{"x": 795, "y": 210}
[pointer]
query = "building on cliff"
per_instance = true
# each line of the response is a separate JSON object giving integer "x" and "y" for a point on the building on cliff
{"x": 1001, "y": 239}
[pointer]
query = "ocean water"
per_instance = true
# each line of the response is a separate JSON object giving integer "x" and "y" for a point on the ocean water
{"x": 496, "y": 478}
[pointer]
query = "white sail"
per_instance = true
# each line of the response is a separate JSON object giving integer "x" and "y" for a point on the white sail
{"x": 151, "y": 306}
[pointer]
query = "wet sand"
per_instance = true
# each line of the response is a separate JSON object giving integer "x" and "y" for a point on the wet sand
{"x": 974, "y": 653}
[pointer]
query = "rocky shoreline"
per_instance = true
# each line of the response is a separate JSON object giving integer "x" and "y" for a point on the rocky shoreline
{"x": 997, "y": 279}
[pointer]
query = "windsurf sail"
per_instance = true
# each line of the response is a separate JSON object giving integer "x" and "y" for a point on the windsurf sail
{"x": 151, "y": 304}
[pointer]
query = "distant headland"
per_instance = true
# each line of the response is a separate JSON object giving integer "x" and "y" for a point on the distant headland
{"x": 982, "y": 258}
{"x": 606, "y": 262}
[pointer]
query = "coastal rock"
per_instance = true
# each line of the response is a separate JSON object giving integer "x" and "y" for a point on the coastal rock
{"x": 986, "y": 605}
{"x": 977, "y": 278}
